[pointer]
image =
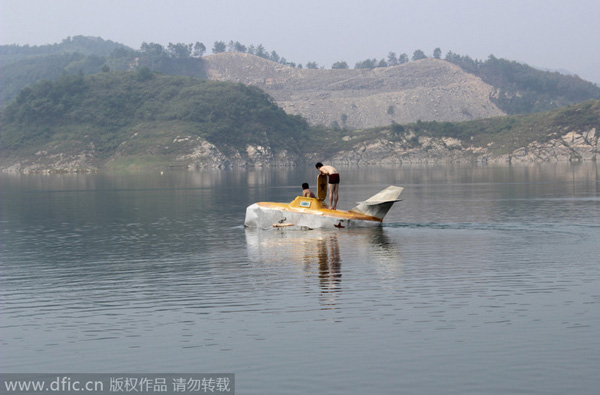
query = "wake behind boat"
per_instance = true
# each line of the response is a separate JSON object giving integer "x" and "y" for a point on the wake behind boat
{"x": 314, "y": 213}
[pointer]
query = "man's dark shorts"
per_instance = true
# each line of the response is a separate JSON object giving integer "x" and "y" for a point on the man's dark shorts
{"x": 334, "y": 178}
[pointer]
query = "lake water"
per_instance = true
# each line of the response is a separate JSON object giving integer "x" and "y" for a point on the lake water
{"x": 483, "y": 280}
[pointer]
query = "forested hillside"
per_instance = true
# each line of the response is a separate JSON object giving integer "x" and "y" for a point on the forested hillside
{"x": 78, "y": 44}
{"x": 518, "y": 88}
{"x": 25, "y": 65}
{"x": 142, "y": 113}
{"x": 522, "y": 89}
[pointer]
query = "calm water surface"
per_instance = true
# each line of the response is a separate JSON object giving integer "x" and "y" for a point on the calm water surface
{"x": 483, "y": 280}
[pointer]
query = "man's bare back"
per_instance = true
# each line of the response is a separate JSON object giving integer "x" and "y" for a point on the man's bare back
{"x": 334, "y": 182}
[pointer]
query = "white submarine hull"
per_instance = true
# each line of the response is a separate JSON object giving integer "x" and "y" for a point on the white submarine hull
{"x": 305, "y": 212}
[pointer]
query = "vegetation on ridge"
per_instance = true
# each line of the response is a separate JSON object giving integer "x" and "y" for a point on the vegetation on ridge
{"x": 500, "y": 135}
{"x": 105, "y": 110}
{"x": 519, "y": 88}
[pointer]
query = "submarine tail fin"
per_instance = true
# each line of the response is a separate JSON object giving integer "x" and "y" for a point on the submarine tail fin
{"x": 379, "y": 204}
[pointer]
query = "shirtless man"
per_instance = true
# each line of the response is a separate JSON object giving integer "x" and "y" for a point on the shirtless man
{"x": 306, "y": 192}
{"x": 334, "y": 182}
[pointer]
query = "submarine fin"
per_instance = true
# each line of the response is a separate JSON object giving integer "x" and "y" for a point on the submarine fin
{"x": 379, "y": 204}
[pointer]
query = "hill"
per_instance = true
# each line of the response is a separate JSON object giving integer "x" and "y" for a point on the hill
{"x": 141, "y": 119}
{"x": 78, "y": 44}
{"x": 567, "y": 134}
{"x": 25, "y": 65}
{"x": 424, "y": 90}
{"x": 457, "y": 88}
{"x": 120, "y": 119}
{"x": 522, "y": 89}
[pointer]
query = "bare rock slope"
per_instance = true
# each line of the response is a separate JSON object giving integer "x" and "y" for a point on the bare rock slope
{"x": 427, "y": 90}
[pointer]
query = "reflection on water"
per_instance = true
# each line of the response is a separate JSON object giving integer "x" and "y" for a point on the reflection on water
{"x": 330, "y": 267}
{"x": 322, "y": 252}
{"x": 317, "y": 250}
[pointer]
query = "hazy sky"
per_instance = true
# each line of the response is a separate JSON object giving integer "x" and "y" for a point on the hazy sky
{"x": 553, "y": 34}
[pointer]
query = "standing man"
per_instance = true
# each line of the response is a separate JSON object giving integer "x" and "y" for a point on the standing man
{"x": 334, "y": 182}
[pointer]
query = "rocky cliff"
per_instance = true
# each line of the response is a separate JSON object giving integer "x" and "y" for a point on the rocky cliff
{"x": 575, "y": 145}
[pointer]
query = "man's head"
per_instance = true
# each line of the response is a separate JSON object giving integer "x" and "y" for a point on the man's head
{"x": 319, "y": 165}
{"x": 305, "y": 185}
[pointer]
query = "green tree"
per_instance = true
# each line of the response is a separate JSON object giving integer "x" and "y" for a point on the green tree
{"x": 366, "y": 64}
{"x": 418, "y": 55}
{"x": 239, "y": 47}
{"x": 312, "y": 65}
{"x": 219, "y": 47}
{"x": 397, "y": 129}
{"x": 152, "y": 49}
{"x": 340, "y": 65}
{"x": 437, "y": 53}
{"x": 144, "y": 74}
{"x": 261, "y": 51}
{"x": 274, "y": 57}
{"x": 392, "y": 59}
{"x": 179, "y": 50}
{"x": 403, "y": 58}
{"x": 199, "y": 50}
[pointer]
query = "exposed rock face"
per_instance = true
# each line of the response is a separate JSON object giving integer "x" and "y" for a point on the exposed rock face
{"x": 207, "y": 155}
{"x": 573, "y": 146}
{"x": 55, "y": 163}
{"x": 425, "y": 90}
